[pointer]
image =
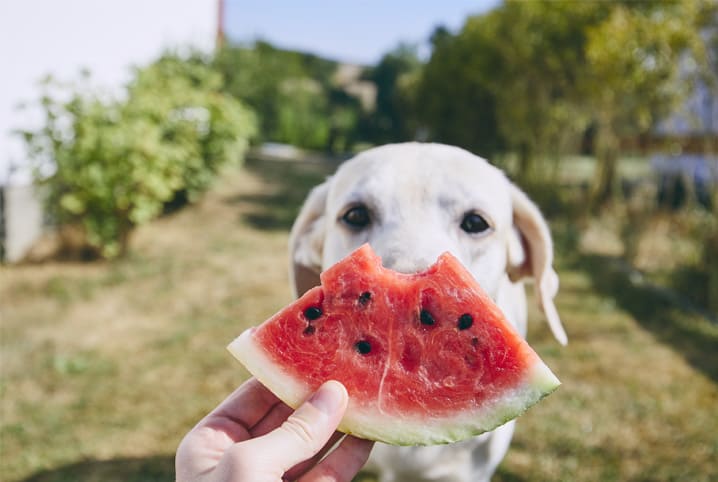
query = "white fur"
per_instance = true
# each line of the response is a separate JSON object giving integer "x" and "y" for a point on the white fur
{"x": 417, "y": 195}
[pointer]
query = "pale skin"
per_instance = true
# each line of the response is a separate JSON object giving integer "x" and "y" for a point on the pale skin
{"x": 252, "y": 436}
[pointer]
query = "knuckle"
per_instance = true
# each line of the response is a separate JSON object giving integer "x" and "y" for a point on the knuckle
{"x": 301, "y": 430}
{"x": 331, "y": 473}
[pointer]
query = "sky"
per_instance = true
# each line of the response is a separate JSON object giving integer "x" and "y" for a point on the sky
{"x": 60, "y": 37}
{"x": 352, "y": 31}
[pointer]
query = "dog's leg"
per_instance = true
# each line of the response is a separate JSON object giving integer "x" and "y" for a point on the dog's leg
{"x": 486, "y": 458}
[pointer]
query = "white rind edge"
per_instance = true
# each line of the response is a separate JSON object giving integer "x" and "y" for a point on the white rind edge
{"x": 256, "y": 361}
{"x": 396, "y": 429}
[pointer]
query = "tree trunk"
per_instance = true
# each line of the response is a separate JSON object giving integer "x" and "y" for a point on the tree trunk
{"x": 602, "y": 190}
{"x": 711, "y": 259}
{"x": 124, "y": 239}
{"x": 525, "y": 164}
{"x": 607, "y": 146}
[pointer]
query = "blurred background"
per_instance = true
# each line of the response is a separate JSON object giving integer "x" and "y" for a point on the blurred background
{"x": 153, "y": 156}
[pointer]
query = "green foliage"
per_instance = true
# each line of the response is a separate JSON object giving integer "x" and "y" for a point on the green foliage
{"x": 453, "y": 99}
{"x": 537, "y": 57}
{"x": 510, "y": 79}
{"x": 531, "y": 78}
{"x": 637, "y": 72}
{"x": 113, "y": 163}
{"x": 634, "y": 62}
{"x": 396, "y": 77}
{"x": 302, "y": 117}
{"x": 294, "y": 95}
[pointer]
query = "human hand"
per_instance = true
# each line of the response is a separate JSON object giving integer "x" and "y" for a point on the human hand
{"x": 253, "y": 437}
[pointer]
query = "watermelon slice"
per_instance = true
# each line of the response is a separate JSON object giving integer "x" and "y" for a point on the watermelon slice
{"x": 426, "y": 358}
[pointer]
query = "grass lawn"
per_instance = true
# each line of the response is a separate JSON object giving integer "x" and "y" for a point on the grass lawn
{"x": 105, "y": 366}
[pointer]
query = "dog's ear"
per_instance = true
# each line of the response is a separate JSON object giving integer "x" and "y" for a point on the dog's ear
{"x": 530, "y": 253}
{"x": 306, "y": 242}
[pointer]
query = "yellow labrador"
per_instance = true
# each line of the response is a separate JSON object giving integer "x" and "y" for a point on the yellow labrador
{"x": 412, "y": 202}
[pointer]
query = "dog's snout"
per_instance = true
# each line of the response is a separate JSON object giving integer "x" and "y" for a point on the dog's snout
{"x": 407, "y": 262}
{"x": 411, "y": 251}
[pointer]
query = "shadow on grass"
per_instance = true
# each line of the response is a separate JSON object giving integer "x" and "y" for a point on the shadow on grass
{"x": 149, "y": 469}
{"x": 504, "y": 475}
{"x": 288, "y": 183}
{"x": 692, "y": 282}
{"x": 691, "y": 334}
{"x": 159, "y": 468}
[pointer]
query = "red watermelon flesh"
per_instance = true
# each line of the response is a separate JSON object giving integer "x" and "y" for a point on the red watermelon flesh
{"x": 426, "y": 358}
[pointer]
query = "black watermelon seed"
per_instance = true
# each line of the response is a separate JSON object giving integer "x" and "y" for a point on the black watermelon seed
{"x": 465, "y": 321}
{"x": 309, "y": 330}
{"x": 363, "y": 347}
{"x": 426, "y": 318}
{"x": 364, "y": 298}
{"x": 312, "y": 313}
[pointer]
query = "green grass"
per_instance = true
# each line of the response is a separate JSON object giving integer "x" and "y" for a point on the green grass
{"x": 105, "y": 366}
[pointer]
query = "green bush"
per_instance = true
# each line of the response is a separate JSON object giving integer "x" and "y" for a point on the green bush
{"x": 113, "y": 163}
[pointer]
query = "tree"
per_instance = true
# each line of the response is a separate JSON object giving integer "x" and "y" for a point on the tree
{"x": 395, "y": 78}
{"x": 530, "y": 78}
{"x": 507, "y": 81}
{"x": 453, "y": 100}
{"x": 303, "y": 114}
{"x": 255, "y": 75}
{"x": 293, "y": 94}
{"x": 535, "y": 72}
{"x": 636, "y": 60}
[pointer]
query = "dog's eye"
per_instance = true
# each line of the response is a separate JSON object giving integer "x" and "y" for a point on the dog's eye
{"x": 474, "y": 223}
{"x": 357, "y": 217}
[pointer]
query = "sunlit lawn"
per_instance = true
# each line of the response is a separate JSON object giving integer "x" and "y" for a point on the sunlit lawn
{"x": 105, "y": 366}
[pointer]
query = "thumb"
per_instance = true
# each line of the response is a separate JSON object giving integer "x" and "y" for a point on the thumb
{"x": 303, "y": 434}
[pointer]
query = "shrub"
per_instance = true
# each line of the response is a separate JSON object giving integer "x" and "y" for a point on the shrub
{"x": 112, "y": 163}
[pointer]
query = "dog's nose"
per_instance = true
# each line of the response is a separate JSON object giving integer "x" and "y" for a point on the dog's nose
{"x": 408, "y": 262}
{"x": 410, "y": 251}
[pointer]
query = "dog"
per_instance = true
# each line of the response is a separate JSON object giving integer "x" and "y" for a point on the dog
{"x": 411, "y": 202}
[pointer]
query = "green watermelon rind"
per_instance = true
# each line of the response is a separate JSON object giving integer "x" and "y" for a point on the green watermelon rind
{"x": 400, "y": 429}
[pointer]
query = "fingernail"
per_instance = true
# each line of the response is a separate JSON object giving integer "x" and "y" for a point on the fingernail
{"x": 329, "y": 398}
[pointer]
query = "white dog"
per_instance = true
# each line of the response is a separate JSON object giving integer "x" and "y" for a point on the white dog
{"x": 412, "y": 202}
